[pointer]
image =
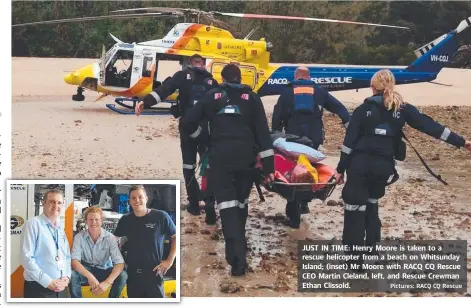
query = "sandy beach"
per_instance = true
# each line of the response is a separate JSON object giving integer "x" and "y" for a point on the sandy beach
{"x": 57, "y": 138}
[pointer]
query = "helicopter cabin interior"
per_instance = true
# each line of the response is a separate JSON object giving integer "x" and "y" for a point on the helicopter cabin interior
{"x": 174, "y": 63}
{"x": 119, "y": 67}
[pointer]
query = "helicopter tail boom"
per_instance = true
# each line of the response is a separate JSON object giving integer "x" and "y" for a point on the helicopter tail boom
{"x": 439, "y": 53}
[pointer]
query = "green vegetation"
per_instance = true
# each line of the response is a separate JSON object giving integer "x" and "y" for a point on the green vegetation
{"x": 294, "y": 41}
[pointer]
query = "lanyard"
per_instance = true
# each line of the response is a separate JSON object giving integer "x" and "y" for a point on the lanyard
{"x": 56, "y": 241}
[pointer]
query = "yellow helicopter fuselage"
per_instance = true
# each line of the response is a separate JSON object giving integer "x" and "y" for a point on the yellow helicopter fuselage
{"x": 139, "y": 76}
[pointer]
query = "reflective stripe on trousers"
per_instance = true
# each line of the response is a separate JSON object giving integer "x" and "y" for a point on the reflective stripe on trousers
{"x": 353, "y": 207}
{"x": 231, "y": 204}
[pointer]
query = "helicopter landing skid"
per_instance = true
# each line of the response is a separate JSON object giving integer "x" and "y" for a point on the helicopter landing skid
{"x": 129, "y": 111}
{"x": 130, "y": 108}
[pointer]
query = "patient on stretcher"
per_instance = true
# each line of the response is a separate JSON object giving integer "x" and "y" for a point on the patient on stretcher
{"x": 299, "y": 164}
{"x": 304, "y": 172}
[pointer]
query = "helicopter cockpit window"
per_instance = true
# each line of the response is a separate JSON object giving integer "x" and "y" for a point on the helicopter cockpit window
{"x": 109, "y": 53}
{"x": 147, "y": 67}
{"x": 119, "y": 69}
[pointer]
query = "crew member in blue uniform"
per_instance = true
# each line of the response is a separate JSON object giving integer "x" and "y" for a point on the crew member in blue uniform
{"x": 238, "y": 133}
{"x": 299, "y": 112}
{"x": 371, "y": 146}
{"x": 192, "y": 82}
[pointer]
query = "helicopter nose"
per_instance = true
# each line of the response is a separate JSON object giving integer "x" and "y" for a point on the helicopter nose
{"x": 69, "y": 79}
{"x": 73, "y": 78}
{"x": 79, "y": 75}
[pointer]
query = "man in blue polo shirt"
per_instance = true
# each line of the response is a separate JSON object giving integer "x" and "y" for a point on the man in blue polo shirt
{"x": 45, "y": 254}
{"x": 146, "y": 230}
{"x": 96, "y": 258}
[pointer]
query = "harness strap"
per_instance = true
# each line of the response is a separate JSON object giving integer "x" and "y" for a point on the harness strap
{"x": 259, "y": 190}
{"x": 437, "y": 176}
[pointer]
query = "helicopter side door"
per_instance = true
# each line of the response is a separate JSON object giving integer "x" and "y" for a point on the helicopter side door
{"x": 137, "y": 67}
{"x": 141, "y": 72}
{"x": 248, "y": 72}
{"x": 103, "y": 66}
{"x": 149, "y": 67}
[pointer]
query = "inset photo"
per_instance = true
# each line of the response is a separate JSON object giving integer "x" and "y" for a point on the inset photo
{"x": 93, "y": 241}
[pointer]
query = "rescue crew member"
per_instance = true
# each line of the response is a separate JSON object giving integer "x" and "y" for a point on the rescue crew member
{"x": 96, "y": 259}
{"x": 192, "y": 82}
{"x": 372, "y": 143}
{"x": 145, "y": 230}
{"x": 239, "y": 130}
{"x": 299, "y": 112}
{"x": 45, "y": 254}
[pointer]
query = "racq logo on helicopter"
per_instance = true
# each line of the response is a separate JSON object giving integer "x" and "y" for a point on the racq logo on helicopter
{"x": 320, "y": 80}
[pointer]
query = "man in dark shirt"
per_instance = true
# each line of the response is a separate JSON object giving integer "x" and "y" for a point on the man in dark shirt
{"x": 145, "y": 230}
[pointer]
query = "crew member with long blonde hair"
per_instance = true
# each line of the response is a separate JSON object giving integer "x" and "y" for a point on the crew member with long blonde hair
{"x": 372, "y": 143}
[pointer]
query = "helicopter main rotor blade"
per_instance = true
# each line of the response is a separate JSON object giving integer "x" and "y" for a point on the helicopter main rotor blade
{"x": 180, "y": 11}
{"x": 155, "y": 9}
{"x": 262, "y": 16}
{"x": 79, "y": 19}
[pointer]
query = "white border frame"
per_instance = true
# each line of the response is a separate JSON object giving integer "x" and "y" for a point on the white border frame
{"x": 8, "y": 297}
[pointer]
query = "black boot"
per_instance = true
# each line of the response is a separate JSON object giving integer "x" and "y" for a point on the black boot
{"x": 239, "y": 268}
{"x": 210, "y": 212}
{"x": 234, "y": 237}
{"x": 293, "y": 214}
{"x": 354, "y": 234}
{"x": 372, "y": 224}
{"x": 238, "y": 271}
{"x": 194, "y": 209}
{"x": 193, "y": 192}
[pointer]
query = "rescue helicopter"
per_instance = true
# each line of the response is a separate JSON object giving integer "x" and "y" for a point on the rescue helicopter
{"x": 130, "y": 71}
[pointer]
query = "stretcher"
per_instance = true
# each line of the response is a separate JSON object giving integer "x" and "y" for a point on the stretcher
{"x": 291, "y": 191}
